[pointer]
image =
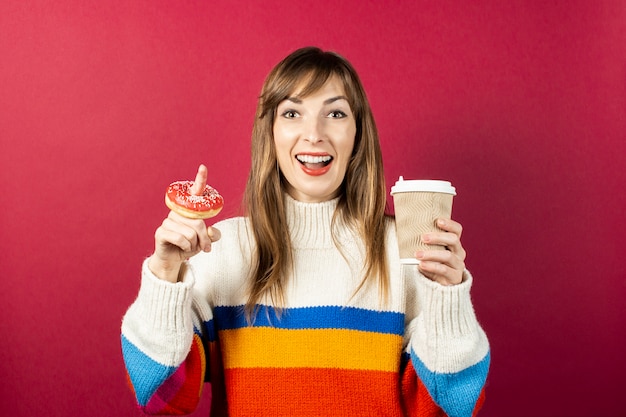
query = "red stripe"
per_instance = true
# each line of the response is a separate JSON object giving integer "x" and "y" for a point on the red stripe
{"x": 416, "y": 400}
{"x": 306, "y": 392}
{"x": 186, "y": 398}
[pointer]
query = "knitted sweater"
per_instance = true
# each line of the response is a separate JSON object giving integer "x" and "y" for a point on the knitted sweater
{"x": 328, "y": 352}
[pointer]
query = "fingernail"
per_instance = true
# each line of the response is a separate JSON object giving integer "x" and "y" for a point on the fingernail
{"x": 426, "y": 238}
{"x": 419, "y": 254}
{"x": 441, "y": 222}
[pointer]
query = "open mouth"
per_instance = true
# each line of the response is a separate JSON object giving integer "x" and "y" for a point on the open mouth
{"x": 314, "y": 162}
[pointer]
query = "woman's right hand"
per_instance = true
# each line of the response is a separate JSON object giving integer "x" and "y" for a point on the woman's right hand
{"x": 179, "y": 238}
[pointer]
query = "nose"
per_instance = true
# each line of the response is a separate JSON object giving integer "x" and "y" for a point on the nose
{"x": 314, "y": 129}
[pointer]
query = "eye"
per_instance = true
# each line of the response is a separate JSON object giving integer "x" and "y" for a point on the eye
{"x": 337, "y": 114}
{"x": 289, "y": 114}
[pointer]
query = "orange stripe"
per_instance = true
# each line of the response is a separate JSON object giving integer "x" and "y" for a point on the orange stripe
{"x": 307, "y": 392}
{"x": 254, "y": 347}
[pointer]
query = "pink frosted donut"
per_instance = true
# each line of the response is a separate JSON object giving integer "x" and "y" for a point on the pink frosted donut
{"x": 178, "y": 198}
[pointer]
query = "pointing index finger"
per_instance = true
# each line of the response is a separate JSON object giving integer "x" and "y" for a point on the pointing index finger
{"x": 200, "y": 181}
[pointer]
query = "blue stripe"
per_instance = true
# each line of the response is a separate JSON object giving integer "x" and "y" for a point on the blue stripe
{"x": 456, "y": 393}
{"x": 351, "y": 318}
{"x": 145, "y": 374}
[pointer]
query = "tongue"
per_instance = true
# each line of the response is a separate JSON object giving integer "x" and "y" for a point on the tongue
{"x": 318, "y": 165}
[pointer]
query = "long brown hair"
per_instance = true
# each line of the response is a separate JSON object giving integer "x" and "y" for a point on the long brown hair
{"x": 362, "y": 200}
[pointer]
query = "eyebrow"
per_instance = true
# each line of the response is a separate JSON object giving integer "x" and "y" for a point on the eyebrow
{"x": 326, "y": 102}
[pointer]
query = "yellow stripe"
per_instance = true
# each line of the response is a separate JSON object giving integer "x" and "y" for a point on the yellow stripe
{"x": 316, "y": 348}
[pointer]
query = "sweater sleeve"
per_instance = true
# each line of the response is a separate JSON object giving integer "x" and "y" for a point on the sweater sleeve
{"x": 162, "y": 345}
{"x": 448, "y": 349}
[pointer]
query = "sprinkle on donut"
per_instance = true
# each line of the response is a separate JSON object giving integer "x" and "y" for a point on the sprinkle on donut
{"x": 178, "y": 198}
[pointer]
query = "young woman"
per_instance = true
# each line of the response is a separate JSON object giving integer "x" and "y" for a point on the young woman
{"x": 302, "y": 307}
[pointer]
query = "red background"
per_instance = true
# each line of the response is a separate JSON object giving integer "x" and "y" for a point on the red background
{"x": 522, "y": 105}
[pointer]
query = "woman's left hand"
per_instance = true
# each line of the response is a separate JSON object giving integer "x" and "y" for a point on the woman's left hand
{"x": 443, "y": 266}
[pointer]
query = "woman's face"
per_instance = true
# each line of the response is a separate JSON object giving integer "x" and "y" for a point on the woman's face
{"x": 314, "y": 138}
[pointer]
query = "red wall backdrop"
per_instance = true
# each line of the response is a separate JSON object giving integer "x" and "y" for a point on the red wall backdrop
{"x": 522, "y": 105}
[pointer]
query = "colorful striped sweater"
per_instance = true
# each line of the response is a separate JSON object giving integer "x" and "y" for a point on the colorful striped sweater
{"x": 329, "y": 352}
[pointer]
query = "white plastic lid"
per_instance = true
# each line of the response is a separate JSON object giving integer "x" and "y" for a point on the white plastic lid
{"x": 431, "y": 186}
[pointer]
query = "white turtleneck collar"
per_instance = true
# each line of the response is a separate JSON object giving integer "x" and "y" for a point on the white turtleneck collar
{"x": 310, "y": 223}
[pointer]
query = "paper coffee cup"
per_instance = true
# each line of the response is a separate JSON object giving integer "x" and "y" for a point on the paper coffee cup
{"x": 418, "y": 203}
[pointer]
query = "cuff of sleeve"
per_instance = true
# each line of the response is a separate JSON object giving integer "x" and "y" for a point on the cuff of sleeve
{"x": 164, "y": 304}
{"x": 447, "y": 310}
{"x": 447, "y": 336}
